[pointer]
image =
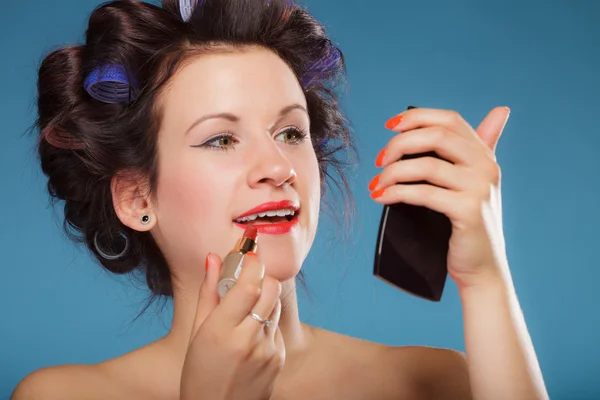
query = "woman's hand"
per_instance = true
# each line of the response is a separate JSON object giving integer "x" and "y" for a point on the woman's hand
{"x": 230, "y": 354}
{"x": 466, "y": 187}
{"x": 501, "y": 359}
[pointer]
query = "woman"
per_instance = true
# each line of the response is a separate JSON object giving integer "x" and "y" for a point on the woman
{"x": 223, "y": 107}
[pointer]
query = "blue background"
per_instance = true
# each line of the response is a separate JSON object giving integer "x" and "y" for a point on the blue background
{"x": 542, "y": 59}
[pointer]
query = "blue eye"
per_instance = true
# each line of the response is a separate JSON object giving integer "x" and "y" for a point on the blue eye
{"x": 293, "y": 135}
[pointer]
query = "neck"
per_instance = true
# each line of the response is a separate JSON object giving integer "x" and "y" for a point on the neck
{"x": 296, "y": 335}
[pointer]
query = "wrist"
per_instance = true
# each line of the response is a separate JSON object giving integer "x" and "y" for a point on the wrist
{"x": 491, "y": 281}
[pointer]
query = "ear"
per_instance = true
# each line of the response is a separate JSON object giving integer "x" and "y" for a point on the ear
{"x": 131, "y": 202}
{"x": 492, "y": 126}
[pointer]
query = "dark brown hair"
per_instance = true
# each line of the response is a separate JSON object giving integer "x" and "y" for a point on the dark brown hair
{"x": 83, "y": 143}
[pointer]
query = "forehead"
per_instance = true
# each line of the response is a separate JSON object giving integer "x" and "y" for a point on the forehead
{"x": 233, "y": 80}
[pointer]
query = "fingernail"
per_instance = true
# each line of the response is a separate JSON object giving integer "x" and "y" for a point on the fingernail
{"x": 208, "y": 255}
{"x": 251, "y": 253}
{"x": 394, "y": 121}
{"x": 379, "y": 159}
{"x": 377, "y": 193}
{"x": 374, "y": 183}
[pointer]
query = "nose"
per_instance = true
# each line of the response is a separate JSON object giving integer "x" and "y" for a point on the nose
{"x": 270, "y": 166}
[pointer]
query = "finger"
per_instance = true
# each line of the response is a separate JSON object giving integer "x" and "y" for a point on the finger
{"x": 438, "y": 199}
{"x": 426, "y": 117}
{"x": 279, "y": 344}
{"x": 208, "y": 298}
{"x": 242, "y": 298}
{"x": 429, "y": 169}
{"x": 275, "y": 316}
{"x": 492, "y": 126}
{"x": 271, "y": 290}
{"x": 446, "y": 143}
{"x": 273, "y": 352}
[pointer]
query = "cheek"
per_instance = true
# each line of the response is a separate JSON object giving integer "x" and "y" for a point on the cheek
{"x": 193, "y": 210}
{"x": 315, "y": 182}
{"x": 182, "y": 191}
{"x": 186, "y": 198}
{"x": 312, "y": 188}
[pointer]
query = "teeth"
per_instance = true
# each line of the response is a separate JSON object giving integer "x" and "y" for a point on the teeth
{"x": 273, "y": 213}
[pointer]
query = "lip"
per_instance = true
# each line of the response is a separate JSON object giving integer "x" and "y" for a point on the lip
{"x": 270, "y": 206}
{"x": 273, "y": 229}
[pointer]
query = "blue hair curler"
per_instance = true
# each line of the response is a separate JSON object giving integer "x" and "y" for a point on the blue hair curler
{"x": 109, "y": 84}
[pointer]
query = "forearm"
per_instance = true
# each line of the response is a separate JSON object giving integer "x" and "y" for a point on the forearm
{"x": 500, "y": 355}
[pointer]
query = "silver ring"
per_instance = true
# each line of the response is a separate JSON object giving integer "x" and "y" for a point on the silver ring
{"x": 266, "y": 322}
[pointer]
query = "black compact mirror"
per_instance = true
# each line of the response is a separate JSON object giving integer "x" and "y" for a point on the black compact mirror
{"x": 412, "y": 247}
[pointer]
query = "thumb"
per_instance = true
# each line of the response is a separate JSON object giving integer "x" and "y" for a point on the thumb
{"x": 492, "y": 126}
{"x": 208, "y": 298}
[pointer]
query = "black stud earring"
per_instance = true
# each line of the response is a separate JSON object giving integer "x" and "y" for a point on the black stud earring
{"x": 145, "y": 219}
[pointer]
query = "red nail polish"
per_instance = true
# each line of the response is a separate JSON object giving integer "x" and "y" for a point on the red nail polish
{"x": 251, "y": 253}
{"x": 379, "y": 159}
{"x": 374, "y": 183}
{"x": 394, "y": 122}
{"x": 377, "y": 193}
{"x": 207, "y": 261}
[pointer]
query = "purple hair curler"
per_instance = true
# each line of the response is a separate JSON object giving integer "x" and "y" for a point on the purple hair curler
{"x": 323, "y": 143}
{"x": 109, "y": 84}
{"x": 319, "y": 69}
{"x": 187, "y": 7}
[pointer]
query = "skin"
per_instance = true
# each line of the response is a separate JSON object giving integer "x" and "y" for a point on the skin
{"x": 201, "y": 190}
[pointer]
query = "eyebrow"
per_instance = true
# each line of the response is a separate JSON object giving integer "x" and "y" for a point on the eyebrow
{"x": 234, "y": 118}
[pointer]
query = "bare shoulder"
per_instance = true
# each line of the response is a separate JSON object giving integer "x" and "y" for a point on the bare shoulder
{"x": 398, "y": 372}
{"x": 145, "y": 373}
{"x": 71, "y": 381}
{"x": 437, "y": 373}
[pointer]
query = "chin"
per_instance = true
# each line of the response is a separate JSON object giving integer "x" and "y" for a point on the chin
{"x": 282, "y": 271}
{"x": 281, "y": 262}
{"x": 282, "y": 274}
{"x": 283, "y": 253}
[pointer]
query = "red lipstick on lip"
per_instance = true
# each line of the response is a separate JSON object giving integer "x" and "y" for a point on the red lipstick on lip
{"x": 270, "y": 206}
{"x": 272, "y": 229}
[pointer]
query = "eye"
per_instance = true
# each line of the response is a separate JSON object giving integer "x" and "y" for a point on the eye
{"x": 292, "y": 135}
{"x": 223, "y": 142}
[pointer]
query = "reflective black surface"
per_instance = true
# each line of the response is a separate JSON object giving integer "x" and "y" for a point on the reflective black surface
{"x": 412, "y": 247}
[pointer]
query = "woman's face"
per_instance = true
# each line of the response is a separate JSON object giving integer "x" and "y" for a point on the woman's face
{"x": 232, "y": 140}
